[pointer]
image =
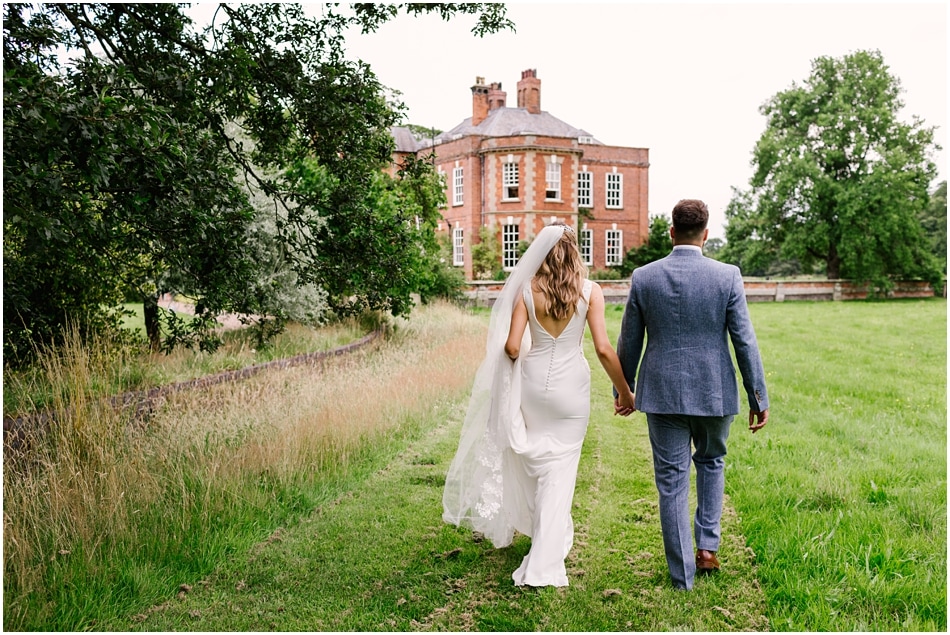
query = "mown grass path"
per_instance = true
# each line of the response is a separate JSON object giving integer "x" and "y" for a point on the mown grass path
{"x": 379, "y": 557}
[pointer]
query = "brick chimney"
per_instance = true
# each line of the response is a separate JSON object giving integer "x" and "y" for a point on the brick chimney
{"x": 496, "y": 96}
{"x": 529, "y": 91}
{"x": 479, "y": 101}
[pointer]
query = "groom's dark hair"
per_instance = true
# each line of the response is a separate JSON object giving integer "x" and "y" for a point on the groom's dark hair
{"x": 690, "y": 217}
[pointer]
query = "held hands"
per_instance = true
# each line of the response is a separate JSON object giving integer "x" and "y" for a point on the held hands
{"x": 624, "y": 403}
{"x": 757, "y": 420}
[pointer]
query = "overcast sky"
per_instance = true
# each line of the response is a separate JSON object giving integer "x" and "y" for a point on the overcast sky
{"x": 684, "y": 80}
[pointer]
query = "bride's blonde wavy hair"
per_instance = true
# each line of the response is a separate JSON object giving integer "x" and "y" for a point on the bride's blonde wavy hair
{"x": 560, "y": 279}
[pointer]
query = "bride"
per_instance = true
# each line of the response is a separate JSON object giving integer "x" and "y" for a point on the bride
{"x": 517, "y": 459}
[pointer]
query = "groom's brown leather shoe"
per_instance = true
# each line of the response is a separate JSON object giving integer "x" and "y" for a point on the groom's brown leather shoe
{"x": 706, "y": 561}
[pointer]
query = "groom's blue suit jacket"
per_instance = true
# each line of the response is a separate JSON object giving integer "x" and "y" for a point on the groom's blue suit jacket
{"x": 687, "y": 307}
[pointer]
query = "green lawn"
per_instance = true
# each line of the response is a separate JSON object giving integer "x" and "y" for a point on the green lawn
{"x": 843, "y": 500}
{"x": 835, "y": 516}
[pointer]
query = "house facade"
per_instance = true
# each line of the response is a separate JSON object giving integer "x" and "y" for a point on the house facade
{"x": 516, "y": 170}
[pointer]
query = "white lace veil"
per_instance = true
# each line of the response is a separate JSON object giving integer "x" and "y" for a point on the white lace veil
{"x": 474, "y": 486}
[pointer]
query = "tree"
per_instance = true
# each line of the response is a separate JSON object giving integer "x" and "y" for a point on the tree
{"x": 423, "y": 133}
{"x": 933, "y": 220}
{"x": 121, "y": 176}
{"x": 713, "y": 247}
{"x": 838, "y": 180}
{"x": 486, "y": 255}
{"x": 746, "y": 246}
{"x": 658, "y": 245}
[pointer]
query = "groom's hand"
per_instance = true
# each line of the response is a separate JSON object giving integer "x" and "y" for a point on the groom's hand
{"x": 757, "y": 420}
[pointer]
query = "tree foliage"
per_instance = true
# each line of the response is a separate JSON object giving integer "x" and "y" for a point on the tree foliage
{"x": 658, "y": 245}
{"x": 746, "y": 246}
{"x": 933, "y": 220}
{"x": 713, "y": 248}
{"x": 486, "y": 255}
{"x": 124, "y": 175}
{"x": 839, "y": 180}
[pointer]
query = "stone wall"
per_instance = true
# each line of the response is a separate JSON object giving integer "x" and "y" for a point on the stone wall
{"x": 789, "y": 290}
{"x": 756, "y": 290}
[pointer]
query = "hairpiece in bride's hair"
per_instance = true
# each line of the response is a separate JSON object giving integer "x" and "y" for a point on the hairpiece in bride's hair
{"x": 568, "y": 229}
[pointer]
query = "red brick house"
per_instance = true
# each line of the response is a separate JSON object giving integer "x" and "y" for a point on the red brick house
{"x": 515, "y": 170}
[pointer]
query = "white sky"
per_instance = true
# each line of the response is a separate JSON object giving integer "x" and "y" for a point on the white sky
{"x": 684, "y": 80}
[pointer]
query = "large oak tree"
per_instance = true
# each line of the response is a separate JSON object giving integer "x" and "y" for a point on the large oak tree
{"x": 840, "y": 179}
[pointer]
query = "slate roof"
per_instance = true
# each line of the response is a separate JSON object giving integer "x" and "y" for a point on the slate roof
{"x": 500, "y": 122}
{"x": 405, "y": 140}
{"x": 509, "y": 122}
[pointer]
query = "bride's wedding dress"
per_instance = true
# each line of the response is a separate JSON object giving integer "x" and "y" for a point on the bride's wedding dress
{"x": 516, "y": 464}
{"x": 546, "y": 442}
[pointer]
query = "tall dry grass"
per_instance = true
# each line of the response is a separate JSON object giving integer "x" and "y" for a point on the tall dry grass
{"x": 102, "y": 515}
{"x": 30, "y": 389}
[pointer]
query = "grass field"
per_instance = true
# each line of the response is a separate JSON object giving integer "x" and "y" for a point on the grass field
{"x": 311, "y": 501}
{"x": 844, "y": 499}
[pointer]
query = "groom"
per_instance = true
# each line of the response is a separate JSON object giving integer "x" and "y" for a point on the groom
{"x": 687, "y": 305}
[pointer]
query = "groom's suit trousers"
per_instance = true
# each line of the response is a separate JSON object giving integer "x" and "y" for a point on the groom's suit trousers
{"x": 671, "y": 437}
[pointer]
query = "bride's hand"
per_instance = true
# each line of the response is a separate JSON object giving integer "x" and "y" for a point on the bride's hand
{"x": 624, "y": 403}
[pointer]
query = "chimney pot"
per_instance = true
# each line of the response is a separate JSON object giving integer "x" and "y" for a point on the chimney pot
{"x": 529, "y": 91}
{"x": 496, "y": 96}
{"x": 479, "y": 101}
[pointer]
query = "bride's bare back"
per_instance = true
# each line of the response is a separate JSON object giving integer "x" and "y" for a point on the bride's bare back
{"x": 553, "y": 326}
